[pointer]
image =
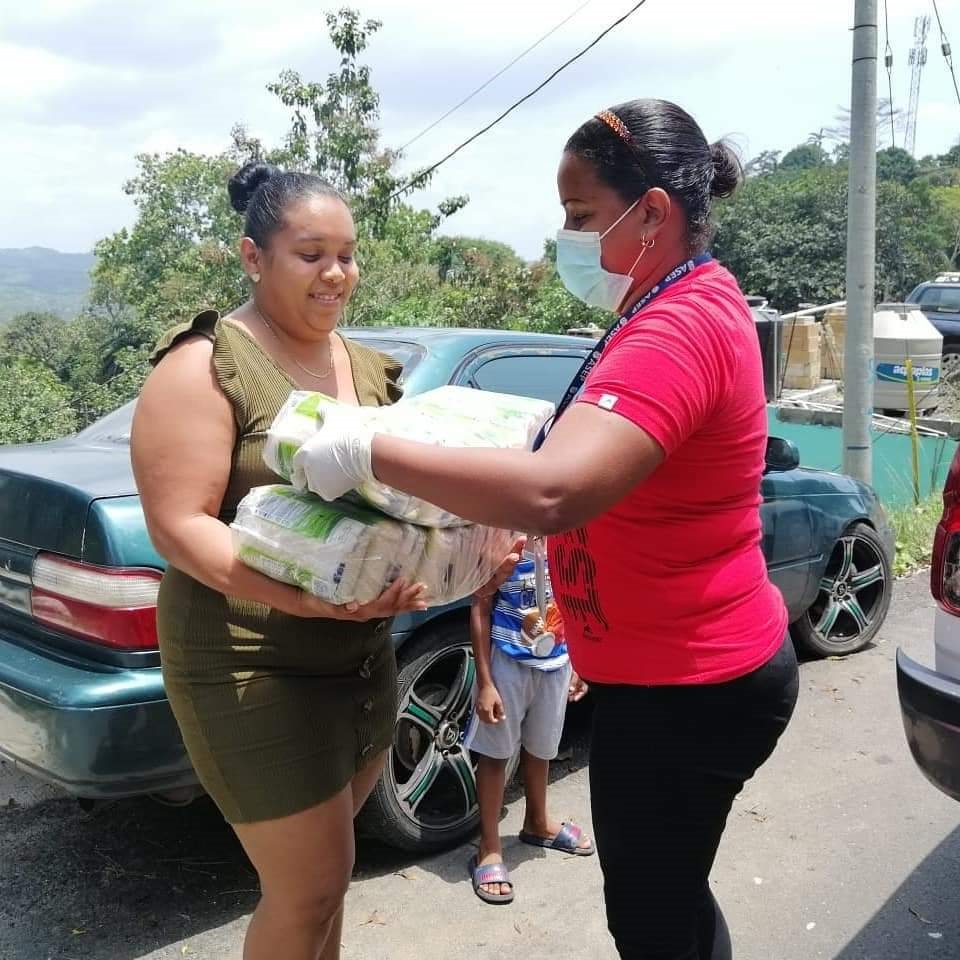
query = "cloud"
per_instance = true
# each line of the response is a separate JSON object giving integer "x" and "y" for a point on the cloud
{"x": 110, "y": 33}
{"x": 87, "y": 84}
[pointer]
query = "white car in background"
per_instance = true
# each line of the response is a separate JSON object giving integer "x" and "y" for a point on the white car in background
{"x": 930, "y": 699}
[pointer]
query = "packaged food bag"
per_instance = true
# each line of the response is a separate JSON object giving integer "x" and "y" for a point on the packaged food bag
{"x": 459, "y": 560}
{"x": 464, "y": 417}
{"x": 295, "y": 424}
{"x": 343, "y": 552}
{"x": 447, "y": 416}
{"x": 339, "y": 552}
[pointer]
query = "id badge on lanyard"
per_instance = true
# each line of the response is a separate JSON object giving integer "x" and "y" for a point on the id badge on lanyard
{"x": 545, "y": 640}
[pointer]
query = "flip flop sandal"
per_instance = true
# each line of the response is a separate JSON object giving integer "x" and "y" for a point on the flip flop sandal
{"x": 567, "y": 840}
{"x": 490, "y": 873}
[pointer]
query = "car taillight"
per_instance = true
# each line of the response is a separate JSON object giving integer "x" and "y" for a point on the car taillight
{"x": 115, "y": 607}
{"x": 945, "y": 566}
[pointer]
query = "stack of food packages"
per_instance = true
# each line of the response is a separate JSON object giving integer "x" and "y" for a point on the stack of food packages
{"x": 353, "y": 549}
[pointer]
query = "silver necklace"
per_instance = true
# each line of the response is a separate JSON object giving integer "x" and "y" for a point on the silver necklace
{"x": 319, "y": 375}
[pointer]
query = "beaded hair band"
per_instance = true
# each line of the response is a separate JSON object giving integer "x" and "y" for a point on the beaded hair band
{"x": 616, "y": 125}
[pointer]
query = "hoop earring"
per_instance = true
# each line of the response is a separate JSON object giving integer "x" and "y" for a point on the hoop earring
{"x": 645, "y": 245}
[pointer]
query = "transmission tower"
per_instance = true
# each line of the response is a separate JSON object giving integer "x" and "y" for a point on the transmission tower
{"x": 918, "y": 60}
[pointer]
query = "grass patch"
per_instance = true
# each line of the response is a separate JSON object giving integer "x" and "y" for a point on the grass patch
{"x": 914, "y": 526}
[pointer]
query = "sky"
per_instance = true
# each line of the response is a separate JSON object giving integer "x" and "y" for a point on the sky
{"x": 86, "y": 85}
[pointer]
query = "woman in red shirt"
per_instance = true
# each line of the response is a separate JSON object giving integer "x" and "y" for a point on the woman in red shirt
{"x": 649, "y": 484}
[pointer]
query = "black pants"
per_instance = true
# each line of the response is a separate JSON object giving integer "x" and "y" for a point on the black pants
{"x": 665, "y": 766}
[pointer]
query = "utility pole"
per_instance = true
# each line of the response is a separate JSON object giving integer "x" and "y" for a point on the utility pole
{"x": 858, "y": 365}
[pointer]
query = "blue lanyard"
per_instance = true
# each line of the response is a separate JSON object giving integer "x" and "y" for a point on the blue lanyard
{"x": 576, "y": 385}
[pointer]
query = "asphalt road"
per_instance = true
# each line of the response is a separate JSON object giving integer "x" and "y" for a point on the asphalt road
{"x": 838, "y": 849}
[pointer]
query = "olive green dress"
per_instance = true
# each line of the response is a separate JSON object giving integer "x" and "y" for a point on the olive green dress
{"x": 277, "y": 712}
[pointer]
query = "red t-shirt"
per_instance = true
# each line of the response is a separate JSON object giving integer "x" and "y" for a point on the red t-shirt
{"x": 670, "y": 586}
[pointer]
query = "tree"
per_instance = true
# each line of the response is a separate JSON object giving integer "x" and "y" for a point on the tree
{"x": 36, "y": 337}
{"x": 806, "y": 156}
{"x": 785, "y": 236}
{"x": 763, "y": 164}
{"x": 896, "y": 164}
{"x": 890, "y": 122}
{"x": 460, "y": 258}
{"x": 951, "y": 158}
{"x": 34, "y": 404}
{"x": 947, "y": 200}
{"x": 912, "y": 238}
{"x": 333, "y": 129}
{"x": 553, "y": 310}
{"x": 180, "y": 256}
{"x": 840, "y": 153}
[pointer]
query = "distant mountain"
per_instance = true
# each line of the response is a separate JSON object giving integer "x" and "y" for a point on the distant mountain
{"x": 37, "y": 278}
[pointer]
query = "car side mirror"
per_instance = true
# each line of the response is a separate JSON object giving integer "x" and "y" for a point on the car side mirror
{"x": 781, "y": 455}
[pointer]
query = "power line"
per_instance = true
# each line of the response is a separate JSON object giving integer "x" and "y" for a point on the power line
{"x": 418, "y": 178}
{"x": 889, "y": 62}
{"x": 946, "y": 51}
{"x": 496, "y": 76}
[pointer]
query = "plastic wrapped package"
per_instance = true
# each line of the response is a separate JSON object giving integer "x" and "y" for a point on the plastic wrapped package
{"x": 342, "y": 552}
{"x": 295, "y": 424}
{"x": 460, "y": 560}
{"x": 464, "y": 417}
{"x": 447, "y": 416}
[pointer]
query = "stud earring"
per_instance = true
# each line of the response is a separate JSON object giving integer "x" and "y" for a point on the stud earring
{"x": 255, "y": 277}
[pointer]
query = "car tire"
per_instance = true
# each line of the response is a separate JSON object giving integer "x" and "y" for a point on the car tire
{"x": 853, "y": 597}
{"x": 426, "y": 798}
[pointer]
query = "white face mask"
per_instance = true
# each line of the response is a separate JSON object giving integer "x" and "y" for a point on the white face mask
{"x": 579, "y": 263}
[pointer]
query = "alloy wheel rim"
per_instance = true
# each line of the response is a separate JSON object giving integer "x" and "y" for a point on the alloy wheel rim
{"x": 430, "y": 771}
{"x": 851, "y": 592}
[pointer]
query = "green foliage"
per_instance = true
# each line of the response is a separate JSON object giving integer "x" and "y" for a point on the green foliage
{"x": 947, "y": 200}
{"x": 896, "y": 164}
{"x": 912, "y": 239}
{"x": 914, "y": 527}
{"x": 180, "y": 257}
{"x": 34, "y": 404}
{"x": 951, "y": 158}
{"x": 39, "y": 338}
{"x": 553, "y": 310}
{"x": 763, "y": 164}
{"x": 462, "y": 257}
{"x": 806, "y": 156}
{"x": 784, "y": 235}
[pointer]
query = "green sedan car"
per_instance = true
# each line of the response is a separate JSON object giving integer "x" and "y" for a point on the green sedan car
{"x": 82, "y": 703}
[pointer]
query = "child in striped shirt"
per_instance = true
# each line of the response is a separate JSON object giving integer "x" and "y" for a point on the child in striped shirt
{"x": 524, "y": 681}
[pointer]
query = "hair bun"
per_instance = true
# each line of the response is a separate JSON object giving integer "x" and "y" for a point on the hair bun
{"x": 727, "y": 169}
{"x": 243, "y": 184}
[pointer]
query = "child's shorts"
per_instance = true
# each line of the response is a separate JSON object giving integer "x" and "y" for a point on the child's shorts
{"x": 534, "y": 701}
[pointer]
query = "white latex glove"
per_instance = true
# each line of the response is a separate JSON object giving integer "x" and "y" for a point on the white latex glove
{"x": 337, "y": 458}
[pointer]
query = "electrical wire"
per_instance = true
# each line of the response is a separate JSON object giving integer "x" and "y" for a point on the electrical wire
{"x": 946, "y": 51}
{"x": 418, "y": 178}
{"x": 496, "y": 76}
{"x": 888, "y": 59}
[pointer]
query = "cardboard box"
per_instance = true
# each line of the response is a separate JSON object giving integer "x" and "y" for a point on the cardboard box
{"x": 801, "y": 354}
{"x": 831, "y": 353}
